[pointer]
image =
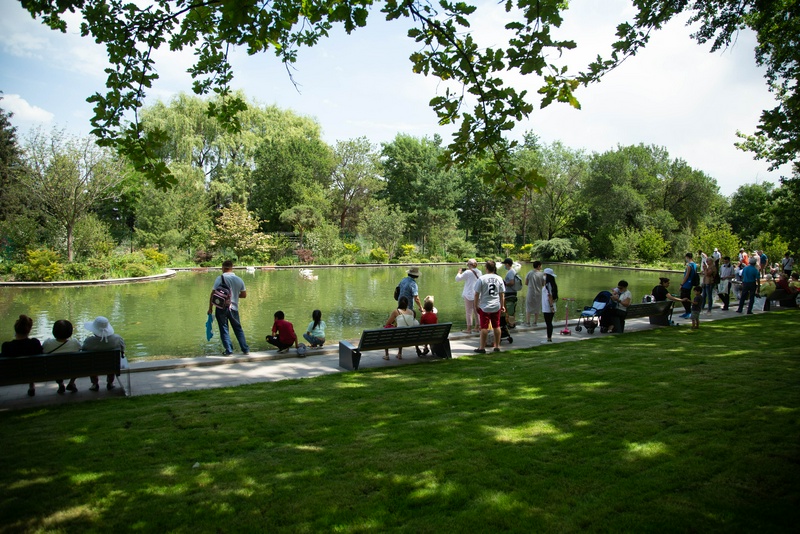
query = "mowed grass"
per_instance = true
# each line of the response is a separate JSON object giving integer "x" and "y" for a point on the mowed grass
{"x": 665, "y": 430}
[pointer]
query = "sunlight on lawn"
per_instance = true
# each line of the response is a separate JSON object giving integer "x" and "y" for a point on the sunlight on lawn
{"x": 646, "y": 450}
{"x": 528, "y": 433}
{"x": 70, "y": 514}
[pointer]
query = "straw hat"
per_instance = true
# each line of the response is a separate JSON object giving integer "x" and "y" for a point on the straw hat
{"x": 414, "y": 271}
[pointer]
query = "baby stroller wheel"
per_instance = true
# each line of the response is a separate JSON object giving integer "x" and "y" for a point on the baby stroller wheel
{"x": 578, "y": 328}
{"x": 590, "y": 330}
{"x": 510, "y": 340}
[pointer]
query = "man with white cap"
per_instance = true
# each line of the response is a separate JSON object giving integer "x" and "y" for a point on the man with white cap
{"x": 102, "y": 338}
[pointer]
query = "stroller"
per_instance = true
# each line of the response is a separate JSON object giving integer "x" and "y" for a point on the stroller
{"x": 504, "y": 333}
{"x": 590, "y": 316}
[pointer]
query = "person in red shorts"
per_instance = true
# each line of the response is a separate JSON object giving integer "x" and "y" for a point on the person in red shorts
{"x": 490, "y": 296}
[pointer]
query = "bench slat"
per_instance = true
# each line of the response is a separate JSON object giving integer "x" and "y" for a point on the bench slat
{"x": 58, "y": 366}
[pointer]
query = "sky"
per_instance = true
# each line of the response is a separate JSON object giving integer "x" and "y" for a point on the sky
{"x": 674, "y": 94}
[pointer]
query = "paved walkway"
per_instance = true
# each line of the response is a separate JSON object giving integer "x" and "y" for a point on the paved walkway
{"x": 168, "y": 376}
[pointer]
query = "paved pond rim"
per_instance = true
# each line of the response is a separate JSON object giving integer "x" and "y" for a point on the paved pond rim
{"x": 171, "y": 272}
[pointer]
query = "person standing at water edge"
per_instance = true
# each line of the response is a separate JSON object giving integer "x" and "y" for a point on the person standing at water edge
{"x": 469, "y": 276}
{"x": 686, "y": 285}
{"x": 231, "y": 313}
{"x": 750, "y": 279}
{"x": 409, "y": 289}
{"x": 511, "y": 293}
{"x": 549, "y": 298}
{"x": 726, "y": 273}
{"x": 490, "y": 296}
{"x": 533, "y": 300}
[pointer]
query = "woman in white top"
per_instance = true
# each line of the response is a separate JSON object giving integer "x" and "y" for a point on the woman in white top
{"x": 62, "y": 341}
{"x": 469, "y": 276}
{"x": 549, "y": 298}
{"x": 401, "y": 317}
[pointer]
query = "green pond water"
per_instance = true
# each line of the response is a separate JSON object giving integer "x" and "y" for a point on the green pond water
{"x": 167, "y": 318}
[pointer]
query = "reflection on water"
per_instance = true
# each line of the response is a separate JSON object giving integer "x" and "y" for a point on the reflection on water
{"x": 167, "y": 318}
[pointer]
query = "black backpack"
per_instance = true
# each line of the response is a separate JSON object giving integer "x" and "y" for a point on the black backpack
{"x": 221, "y": 296}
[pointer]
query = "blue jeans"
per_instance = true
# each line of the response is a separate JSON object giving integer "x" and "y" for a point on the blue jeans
{"x": 314, "y": 340}
{"x": 708, "y": 294}
{"x": 749, "y": 294}
{"x": 223, "y": 316}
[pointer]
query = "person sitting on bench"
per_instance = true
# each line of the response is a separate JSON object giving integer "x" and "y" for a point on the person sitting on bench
{"x": 22, "y": 345}
{"x": 102, "y": 338}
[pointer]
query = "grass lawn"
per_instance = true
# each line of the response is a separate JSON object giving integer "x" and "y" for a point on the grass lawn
{"x": 665, "y": 430}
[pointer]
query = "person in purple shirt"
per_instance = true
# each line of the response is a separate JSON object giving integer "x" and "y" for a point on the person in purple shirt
{"x": 750, "y": 279}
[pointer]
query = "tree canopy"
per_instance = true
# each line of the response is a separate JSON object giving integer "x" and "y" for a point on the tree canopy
{"x": 475, "y": 94}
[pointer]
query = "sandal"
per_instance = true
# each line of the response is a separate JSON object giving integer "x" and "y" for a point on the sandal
{"x": 386, "y": 357}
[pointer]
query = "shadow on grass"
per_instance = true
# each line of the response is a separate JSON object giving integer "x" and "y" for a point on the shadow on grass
{"x": 667, "y": 429}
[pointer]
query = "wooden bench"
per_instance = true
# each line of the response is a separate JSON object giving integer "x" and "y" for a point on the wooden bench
{"x": 435, "y": 335}
{"x": 658, "y": 312}
{"x": 61, "y": 366}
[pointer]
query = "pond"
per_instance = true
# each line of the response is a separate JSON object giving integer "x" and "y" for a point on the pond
{"x": 167, "y": 318}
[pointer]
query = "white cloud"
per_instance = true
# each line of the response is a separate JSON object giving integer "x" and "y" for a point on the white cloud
{"x": 23, "y": 111}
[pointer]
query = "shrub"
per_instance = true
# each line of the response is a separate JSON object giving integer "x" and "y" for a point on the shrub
{"x": 555, "y": 249}
{"x": 285, "y": 261}
{"x": 525, "y": 252}
{"x": 77, "y": 271}
{"x": 424, "y": 260}
{"x": 651, "y": 246}
{"x": 363, "y": 260}
{"x": 304, "y": 255}
{"x": 155, "y": 257}
{"x": 43, "y": 265}
{"x": 508, "y": 248}
{"x": 101, "y": 267}
{"x": 201, "y": 257}
{"x": 460, "y": 247}
{"x": 394, "y": 260}
{"x": 137, "y": 270}
{"x": 582, "y": 247}
{"x": 407, "y": 251}
{"x": 379, "y": 255}
{"x": 352, "y": 248}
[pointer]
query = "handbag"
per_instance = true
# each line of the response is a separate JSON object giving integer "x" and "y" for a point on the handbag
{"x": 722, "y": 289}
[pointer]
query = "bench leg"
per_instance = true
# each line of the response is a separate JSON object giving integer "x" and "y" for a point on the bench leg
{"x": 349, "y": 357}
{"x": 442, "y": 350}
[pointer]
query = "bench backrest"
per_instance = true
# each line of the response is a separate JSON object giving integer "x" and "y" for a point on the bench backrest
{"x": 646, "y": 309}
{"x": 58, "y": 365}
{"x": 389, "y": 338}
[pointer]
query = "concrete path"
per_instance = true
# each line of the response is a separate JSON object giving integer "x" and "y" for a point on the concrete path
{"x": 168, "y": 376}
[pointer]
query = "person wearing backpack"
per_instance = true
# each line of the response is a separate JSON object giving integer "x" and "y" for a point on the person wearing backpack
{"x": 513, "y": 284}
{"x": 690, "y": 280}
{"x": 224, "y": 301}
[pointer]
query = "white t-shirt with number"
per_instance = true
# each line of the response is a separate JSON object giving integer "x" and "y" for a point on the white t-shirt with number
{"x": 489, "y": 287}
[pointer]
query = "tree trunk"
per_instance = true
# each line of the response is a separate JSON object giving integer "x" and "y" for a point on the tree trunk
{"x": 70, "y": 239}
